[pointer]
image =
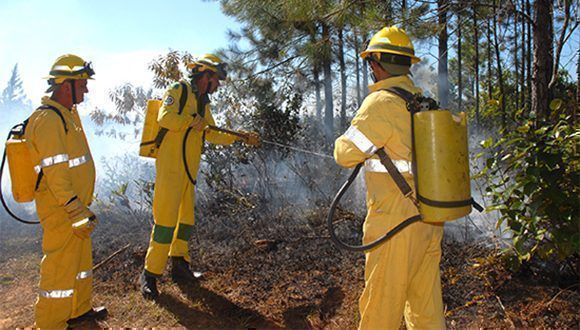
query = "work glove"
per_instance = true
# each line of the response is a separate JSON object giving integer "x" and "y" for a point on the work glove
{"x": 80, "y": 216}
{"x": 83, "y": 228}
{"x": 251, "y": 139}
{"x": 198, "y": 123}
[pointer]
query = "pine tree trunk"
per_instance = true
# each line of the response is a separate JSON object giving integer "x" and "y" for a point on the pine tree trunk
{"x": 523, "y": 59}
{"x": 476, "y": 63}
{"x": 404, "y": 14}
{"x": 516, "y": 63}
{"x": 365, "y": 71}
{"x": 499, "y": 68}
{"x": 328, "y": 99}
{"x": 443, "y": 82}
{"x": 316, "y": 74}
{"x": 543, "y": 57}
{"x": 459, "y": 64}
{"x": 342, "y": 79}
{"x": 489, "y": 63}
{"x": 357, "y": 68}
{"x": 529, "y": 56}
{"x": 575, "y": 109}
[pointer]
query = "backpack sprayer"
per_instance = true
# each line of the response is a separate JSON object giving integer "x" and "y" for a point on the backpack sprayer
{"x": 440, "y": 168}
{"x": 23, "y": 177}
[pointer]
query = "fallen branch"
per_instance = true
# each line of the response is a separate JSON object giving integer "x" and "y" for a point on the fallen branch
{"x": 505, "y": 312}
{"x": 109, "y": 258}
{"x": 559, "y": 293}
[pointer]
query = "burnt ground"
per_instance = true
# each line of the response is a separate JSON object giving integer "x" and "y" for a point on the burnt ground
{"x": 277, "y": 271}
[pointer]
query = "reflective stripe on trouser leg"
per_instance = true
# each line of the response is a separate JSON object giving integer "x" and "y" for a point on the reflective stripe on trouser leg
{"x": 59, "y": 294}
{"x": 179, "y": 246}
{"x": 167, "y": 196}
{"x": 84, "y": 280}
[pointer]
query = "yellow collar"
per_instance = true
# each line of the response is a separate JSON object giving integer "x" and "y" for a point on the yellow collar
{"x": 400, "y": 81}
{"x": 48, "y": 101}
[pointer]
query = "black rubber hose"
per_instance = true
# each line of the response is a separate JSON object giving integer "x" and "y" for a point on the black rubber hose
{"x": 184, "y": 155}
{"x": 2, "y": 195}
{"x": 364, "y": 247}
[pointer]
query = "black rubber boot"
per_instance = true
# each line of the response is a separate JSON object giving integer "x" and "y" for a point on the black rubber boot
{"x": 95, "y": 314}
{"x": 181, "y": 273}
{"x": 148, "y": 286}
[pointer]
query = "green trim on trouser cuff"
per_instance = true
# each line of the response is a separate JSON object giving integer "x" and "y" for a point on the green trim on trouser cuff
{"x": 162, "y": 234}
{"x": 184, "y": 232}
{"x": 150, "y": 274}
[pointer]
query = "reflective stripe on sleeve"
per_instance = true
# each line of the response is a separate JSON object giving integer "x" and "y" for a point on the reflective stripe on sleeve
{"x": 360, "y": 141}
{"x": 78, "y": 161}
{"x": 85, "y": 274}
{"x": 375, "y": 165}
{"x": 49, "y": 161}
{"x": 61, "y": 159}
{"x": 56, "y": 294}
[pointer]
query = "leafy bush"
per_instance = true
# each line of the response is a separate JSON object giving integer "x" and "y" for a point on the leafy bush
{"x": 534, "y": 183}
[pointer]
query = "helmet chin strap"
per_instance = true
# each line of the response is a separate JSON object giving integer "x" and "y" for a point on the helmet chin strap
{"x": 373, "y": 76}
{"x": 73, "y": 91}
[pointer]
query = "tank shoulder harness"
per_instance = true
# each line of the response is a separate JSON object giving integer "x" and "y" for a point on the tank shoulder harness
{"x": 19, "y": 149}
{"x": 55, "y": 110}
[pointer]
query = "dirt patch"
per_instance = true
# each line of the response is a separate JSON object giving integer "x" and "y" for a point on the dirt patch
{"x": 268, "y": 277}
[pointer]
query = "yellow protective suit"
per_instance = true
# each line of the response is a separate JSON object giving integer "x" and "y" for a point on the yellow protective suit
{"x": 68, "y": 171}
{"x": 174, "y": 194}
{"x": 401, "y": 275}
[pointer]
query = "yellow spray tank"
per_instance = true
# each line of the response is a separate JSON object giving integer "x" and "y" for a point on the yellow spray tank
{"x": 152, "y": 135}
{"x": 22, "y": 174}
{"x": 149, "y": 144}
{"x": 442, "y": 158}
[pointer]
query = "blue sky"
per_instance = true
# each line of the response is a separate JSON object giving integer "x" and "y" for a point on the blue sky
{"x": 119, "y": 37}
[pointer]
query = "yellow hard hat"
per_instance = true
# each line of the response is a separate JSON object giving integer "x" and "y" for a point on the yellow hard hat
{"x": 208, "y": 62}
{"x": 390, "y": 40}
{"x": 69, "y": 67}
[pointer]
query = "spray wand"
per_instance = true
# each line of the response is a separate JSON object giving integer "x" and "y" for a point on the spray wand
{"x": 242, "y": 135}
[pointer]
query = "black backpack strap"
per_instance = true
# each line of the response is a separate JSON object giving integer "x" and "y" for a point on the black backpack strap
{"x": 55, "y": 110}
{"x": 394, "y": 173}
{"x": 182, "y": 99}
{"x": 402, "y": 93}
{"x": 451, "y": 204}
{"x": 50, "y": 107}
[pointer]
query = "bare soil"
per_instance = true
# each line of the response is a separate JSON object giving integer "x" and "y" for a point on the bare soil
{"x": 275, "y": 277}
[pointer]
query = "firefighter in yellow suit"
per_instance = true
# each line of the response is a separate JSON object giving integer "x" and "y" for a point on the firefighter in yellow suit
{"x": 402, "y": 275}
{"x": 174, "y": 194}
{"x": 66, "y": 179}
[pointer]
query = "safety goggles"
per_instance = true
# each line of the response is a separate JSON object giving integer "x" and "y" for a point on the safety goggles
{"x": 63, "y": 70}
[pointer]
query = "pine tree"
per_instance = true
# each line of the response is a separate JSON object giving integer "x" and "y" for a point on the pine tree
{"x": 13, "y": 97}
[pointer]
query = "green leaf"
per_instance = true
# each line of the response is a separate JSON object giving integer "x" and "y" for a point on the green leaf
{"x": 486, "y": 143}
{"x": 556, "y": 104}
